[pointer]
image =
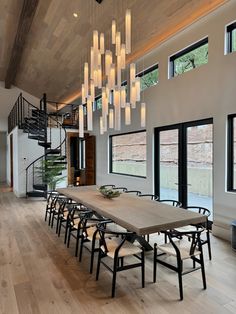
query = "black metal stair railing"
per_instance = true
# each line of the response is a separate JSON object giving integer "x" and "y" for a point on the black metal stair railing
{"x": 35, "y": 174}
{"x": 39, "y": 125}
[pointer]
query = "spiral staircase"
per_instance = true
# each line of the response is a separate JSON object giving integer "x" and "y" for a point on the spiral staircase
{"x": 49, "y": 133}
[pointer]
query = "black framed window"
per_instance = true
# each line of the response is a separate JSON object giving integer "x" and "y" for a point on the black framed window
{"x": 190, "y": 58}
{"x": 149, "y": 77}
{"x": 231, "y": 37}
{"x": 128, "y": 154}
{"x": 231, "y": 180}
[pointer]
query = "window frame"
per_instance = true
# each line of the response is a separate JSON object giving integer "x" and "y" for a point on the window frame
{"x": 229, "y": 40}
{"x": 148, "y": 70}
{"x": 110, "y": 155}
{"x": 182, "y": 52}
{"x": 230, "y": 153}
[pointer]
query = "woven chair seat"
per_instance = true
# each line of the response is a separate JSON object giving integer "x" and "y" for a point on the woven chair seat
{"x": 183, "y": 246}
{"x": 127, "y": 248}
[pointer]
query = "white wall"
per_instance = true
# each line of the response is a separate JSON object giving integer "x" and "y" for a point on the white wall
{"x": 208, "y": 91}
{"x": 25, "y": 152}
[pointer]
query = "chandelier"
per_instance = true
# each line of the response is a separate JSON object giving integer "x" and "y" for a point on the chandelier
{"x": 104, "y": 72}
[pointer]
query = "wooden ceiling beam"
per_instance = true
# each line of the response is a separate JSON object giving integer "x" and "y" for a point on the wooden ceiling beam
{"x": 25, "y": 21}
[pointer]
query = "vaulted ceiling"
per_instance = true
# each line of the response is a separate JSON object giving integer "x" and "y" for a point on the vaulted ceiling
{"x": 58, "y": 43}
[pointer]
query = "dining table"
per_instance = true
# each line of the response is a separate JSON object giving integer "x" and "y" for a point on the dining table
{"x": 136, "y": 214}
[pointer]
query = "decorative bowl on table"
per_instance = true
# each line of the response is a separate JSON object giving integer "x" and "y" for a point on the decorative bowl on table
{"x": 108, "y": 193}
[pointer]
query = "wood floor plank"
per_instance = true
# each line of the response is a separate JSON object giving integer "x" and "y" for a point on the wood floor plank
{"x": 39, "y": 275}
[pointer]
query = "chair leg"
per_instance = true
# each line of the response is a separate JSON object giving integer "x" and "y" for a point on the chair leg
{"x": 58, "y": 220}
{"x": 50, "y": 217}
{"x": 180, "y": 266}
{"x": 69, "y": 235}
{"x": 46, "y": 214}
{"x": 53, "y": 215}
{"x": 92, "y": 256}
{"x": 203, "y": 271}
{"x": 209, "y": 244}
{"x": 143, "y": 268}
{"x": 81, "y": 248}
{"x": 154, "y": 263}
{"x": 77, "y": 242}
{"x": 59, "y": 228}
{"x": 98, "y": 264}
{"x": 114, "y": 278}
{"x": 66, "y": 232}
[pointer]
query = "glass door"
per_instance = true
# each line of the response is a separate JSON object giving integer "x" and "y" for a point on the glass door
{"x": 184, "y": 163}
{"x": 169, "y": 164}
{"x": 200, "y": 165}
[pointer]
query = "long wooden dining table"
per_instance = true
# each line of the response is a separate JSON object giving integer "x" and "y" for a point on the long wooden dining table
{"x": 134, "y": 213}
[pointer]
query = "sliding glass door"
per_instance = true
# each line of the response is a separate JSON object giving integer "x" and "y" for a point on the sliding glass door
{"x": 184, "y": 161}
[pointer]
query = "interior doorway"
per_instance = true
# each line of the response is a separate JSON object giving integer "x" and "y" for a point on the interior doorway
{"x": 81, "y": 156}
{"x": 184, "y": 163}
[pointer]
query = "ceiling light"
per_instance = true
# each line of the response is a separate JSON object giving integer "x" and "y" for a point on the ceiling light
{"x": 75, "y": 14}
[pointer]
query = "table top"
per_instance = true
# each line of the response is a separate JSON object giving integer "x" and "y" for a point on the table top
{"x": 134, "y": 213}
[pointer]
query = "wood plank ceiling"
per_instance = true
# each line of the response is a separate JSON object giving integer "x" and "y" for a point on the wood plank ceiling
{"x": 58, "y": 43}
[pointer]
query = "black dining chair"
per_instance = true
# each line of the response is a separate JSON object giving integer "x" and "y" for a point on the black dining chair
{"x": 206, "y": 226}
{"x": 171, "y": 202}
{"x": 115, "y": 246}
{"x": 152, "y": 197}
{"x": 182, "y": 252}
{"x": 136, "y": 192}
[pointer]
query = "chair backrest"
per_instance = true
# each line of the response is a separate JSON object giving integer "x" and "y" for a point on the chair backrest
{"x": 194, "y": 237}
{"x": 111, "y": 186}
{"x": 152, "y": 197}
{"x": 171, "y": 202}
{"x": 123, "y": 189}
{"x": 133, "y": 191}
{"x": 200, "y": 210}
{"x": 103, "y": 229}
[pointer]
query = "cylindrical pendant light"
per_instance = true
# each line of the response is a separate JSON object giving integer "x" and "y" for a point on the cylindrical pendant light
{"x": 99, "y": 76}
{"x": 86, "y": 74}
{"x": 127, "y": 114}
{"x": 95, "y": 77}
{"x": 91, "y": 63}
{"x": 81, "y": 121}
{"x": 112, "y": 76}
{"x": 128, "y": 31}
{"x": 108, "y": 94}
{"x": 113, "y": 32}
{"x": 108, "y": 61}
{"x": 104, "y": 102}
{"x": 123, "y": 56}
{"x": 118, "y": 70}
{"x": 101, "y": 126}
{"x": 83, "y": 95}
{"x": 117, "y": 109}
{"x": 133, "y": 95}
{"x": 92, "y": 90}
{"x": 132, "y": 72}
{"x": 95, "y": 47}
{"x": 102, "y": 43}
{"x": 89, "y": 114}
{"x": 137, "y": 87}
{"x": 111, "y": 118}
{"x": 123, "y": 96}
{"x": 118, "y": 43}
{"x": 99, "y": 58}
{"x": 143, "y": 115}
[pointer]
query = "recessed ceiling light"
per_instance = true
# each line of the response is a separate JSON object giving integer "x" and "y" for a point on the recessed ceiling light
{"x": 75, "y": 14}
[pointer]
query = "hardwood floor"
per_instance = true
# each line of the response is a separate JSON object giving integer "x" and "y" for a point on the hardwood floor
{"x": 38, "y": 274}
